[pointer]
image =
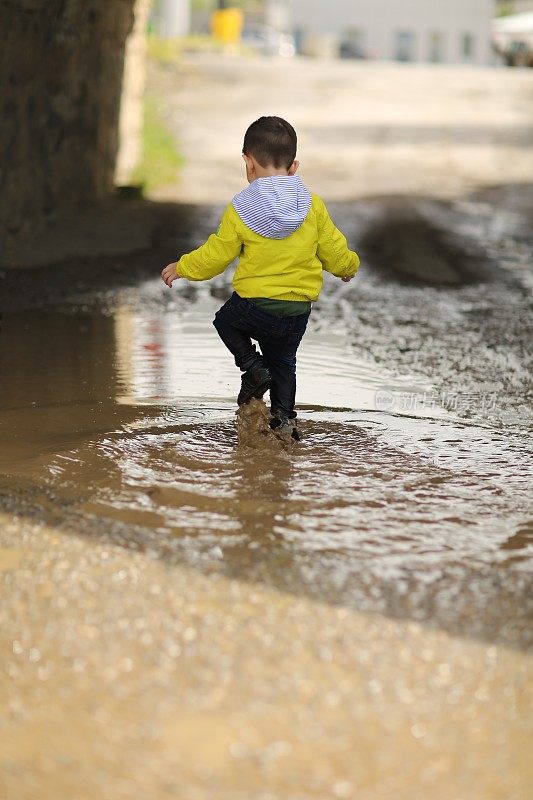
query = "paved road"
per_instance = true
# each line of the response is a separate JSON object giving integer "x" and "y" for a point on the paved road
{"x": 365, "y": 129}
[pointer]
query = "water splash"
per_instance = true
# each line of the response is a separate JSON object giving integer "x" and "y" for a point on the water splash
{"x": 254, "y": 431}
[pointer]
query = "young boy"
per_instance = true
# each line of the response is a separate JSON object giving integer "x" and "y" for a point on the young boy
{"x": 284, "y": 238}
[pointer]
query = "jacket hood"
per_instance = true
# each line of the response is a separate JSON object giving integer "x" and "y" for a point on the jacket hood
{"x": 275, "y": 206}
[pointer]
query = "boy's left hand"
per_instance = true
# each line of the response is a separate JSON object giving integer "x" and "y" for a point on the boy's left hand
{"x": 348, "y": 278}
{"x": 169, "y": 274}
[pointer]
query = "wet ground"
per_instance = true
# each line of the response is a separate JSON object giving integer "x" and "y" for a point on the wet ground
{"x": 190, "y": 617}
{"x": 409, "y": 495}
{"x": 187, "y": 616}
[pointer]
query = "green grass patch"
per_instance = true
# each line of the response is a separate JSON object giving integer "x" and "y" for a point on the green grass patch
{"x": 168, "y": 51}
{"x": 171, "y": 51}
{"x": 161, "y": 161}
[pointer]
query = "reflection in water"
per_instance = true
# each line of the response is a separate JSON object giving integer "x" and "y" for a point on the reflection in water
{"x": 174, "y": 354}
{"x": 130, "y": 431}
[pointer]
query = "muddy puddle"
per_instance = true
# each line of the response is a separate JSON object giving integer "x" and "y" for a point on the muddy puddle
{"x": 119, "y": 418}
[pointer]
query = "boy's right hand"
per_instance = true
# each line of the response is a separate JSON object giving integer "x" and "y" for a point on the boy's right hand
{"x": 169, "y": 274}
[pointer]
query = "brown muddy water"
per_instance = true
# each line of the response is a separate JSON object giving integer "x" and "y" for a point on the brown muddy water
{"x": 119, "y": 418}
{"x": 192, "y": 609}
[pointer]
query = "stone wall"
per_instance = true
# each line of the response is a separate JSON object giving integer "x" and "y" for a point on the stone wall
{"x": 61, "y": 70}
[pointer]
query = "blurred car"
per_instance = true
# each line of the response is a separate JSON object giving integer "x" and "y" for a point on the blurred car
{"x": 512, "y": 38}
{"x": 519, "y": 54}
{"x": 268, "y": 41}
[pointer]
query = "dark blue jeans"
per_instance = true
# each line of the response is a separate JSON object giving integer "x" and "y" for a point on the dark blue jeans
{"x": 239, "y": 321}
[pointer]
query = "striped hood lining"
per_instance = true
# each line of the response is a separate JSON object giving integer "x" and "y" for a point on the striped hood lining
{"x": 273, "y": 207}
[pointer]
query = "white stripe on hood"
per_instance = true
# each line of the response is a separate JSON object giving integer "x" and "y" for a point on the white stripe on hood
{"x": 275, "y": 206}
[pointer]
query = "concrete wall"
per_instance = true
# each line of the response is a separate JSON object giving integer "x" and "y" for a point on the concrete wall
{"x": 380, "y": 22}
{"x": 131, "y": 104}
{"x": 61, "y": 69}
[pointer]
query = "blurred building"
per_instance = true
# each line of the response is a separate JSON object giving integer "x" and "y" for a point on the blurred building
{"x": 171, "y": 18}
{"x": 454, "y": 31}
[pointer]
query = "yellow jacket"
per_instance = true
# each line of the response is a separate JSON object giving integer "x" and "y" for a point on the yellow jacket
{"x": 288, "y": 268}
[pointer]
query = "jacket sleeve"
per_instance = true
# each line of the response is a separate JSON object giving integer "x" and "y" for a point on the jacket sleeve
{"x": 215, "y": 255}
{"x": 332, "y": 248}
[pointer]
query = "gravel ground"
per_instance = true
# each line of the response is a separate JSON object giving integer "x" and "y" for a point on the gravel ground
{"x": 445, "y": 292}
{"x": 125, "y": 679}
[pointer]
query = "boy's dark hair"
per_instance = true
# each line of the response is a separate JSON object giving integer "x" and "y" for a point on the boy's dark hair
{"x": 271, "y": 141}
